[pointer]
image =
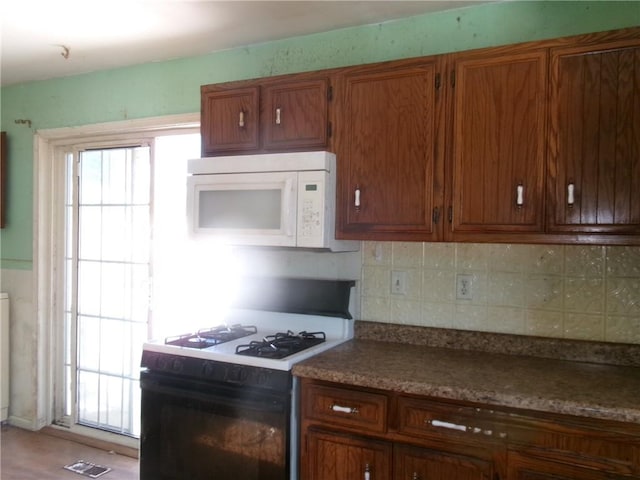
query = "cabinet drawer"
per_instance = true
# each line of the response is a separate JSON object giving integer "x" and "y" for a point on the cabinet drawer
{"x": 350, "y": 408}
{"x": 418, "y": 417}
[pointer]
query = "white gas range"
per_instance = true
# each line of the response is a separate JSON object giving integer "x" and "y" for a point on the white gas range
{"x": 221, "y": 402}
{"x": 275, "y": 340}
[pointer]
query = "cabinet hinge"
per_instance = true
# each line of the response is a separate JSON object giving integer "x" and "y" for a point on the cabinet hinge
{"x": 329, "y": 129}
{"x": 435, "y": 216}
{"x": 453, "y": 78}
{"x": 450, "y": 214}
{"x": 330, "y": 93}
{"x": 437, "y": 81}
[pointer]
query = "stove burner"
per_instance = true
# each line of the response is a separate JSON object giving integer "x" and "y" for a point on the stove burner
{"x": 281, "y": 345}
{"x": 209, "y": 337}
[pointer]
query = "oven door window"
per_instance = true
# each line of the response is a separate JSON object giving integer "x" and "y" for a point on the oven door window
{"x": 204, "y": 432}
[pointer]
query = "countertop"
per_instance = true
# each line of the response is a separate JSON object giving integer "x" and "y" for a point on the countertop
{"x": 474, "y": 371}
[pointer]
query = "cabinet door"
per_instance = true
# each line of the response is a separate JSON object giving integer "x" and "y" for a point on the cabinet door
{"x": 594, "y": 141}
{"x": 498, "y": 143}
{"x": 229, "y": 120}
{"x": 523, "y": 467}
{"x": 390, "y": 181}
{"x": 295, "y": 115}
{"x": 338, "y": 457}
{"x": 412, "y": 463}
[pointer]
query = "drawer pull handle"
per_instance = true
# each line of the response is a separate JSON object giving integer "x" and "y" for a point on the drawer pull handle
{"x": 278, "y": 119}
{"x": 338, "y": 408}
{"x": 452, "y": 426}
{"x": 241, "y": 119}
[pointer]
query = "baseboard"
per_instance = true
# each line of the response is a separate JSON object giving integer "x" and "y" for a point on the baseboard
{"x": 92, "y": 442}
{"x": 24, "y": 423}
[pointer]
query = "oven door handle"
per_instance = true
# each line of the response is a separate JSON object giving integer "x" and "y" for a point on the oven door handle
{"x": 216, "y": 395}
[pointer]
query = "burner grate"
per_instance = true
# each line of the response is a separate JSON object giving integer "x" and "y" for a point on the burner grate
{"x": 281, "y": 345}
{"x": 208, "y": 337}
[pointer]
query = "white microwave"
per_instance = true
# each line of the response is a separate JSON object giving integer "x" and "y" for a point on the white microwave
{"x": 272, "y": 200}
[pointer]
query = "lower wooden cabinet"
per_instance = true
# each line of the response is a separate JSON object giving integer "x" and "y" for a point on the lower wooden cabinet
{"x": 369, "y": 434}
{"x": 523, "y": 467}
{"x": 413, "y": 463}
{"x": 335, "y": 456}
{"x": 332, "y": 456}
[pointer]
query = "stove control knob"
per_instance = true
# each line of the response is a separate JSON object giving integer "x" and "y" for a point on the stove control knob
{"x": 209, "y": 369}
{"x": 177, "y": 365}
{"x": 262, "y": 377}
{"x": 236, "y": 374}
{"x": 161, "y": 362}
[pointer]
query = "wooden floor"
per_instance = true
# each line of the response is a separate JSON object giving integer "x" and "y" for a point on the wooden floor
{"x": 27, "y": 455}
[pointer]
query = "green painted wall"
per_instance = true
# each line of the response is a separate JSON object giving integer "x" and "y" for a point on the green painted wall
{"x": 173, "y": 87}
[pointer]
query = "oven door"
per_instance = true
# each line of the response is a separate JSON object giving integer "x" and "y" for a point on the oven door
{"x": 244, "y": 208}
{"x": 197, "y": 430}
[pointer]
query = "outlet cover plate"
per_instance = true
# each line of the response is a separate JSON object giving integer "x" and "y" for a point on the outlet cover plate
{"x": 464, "y": 287}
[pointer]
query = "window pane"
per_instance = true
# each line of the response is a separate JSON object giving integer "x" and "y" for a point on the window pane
{"x": 141, "y": 176}
{"x": 115, "y": 182}
{"x": 90, "y": 232}
{"x": 89, "y": 280}
{"x": 89, "y": 343}
{"x": 91, "y": 174}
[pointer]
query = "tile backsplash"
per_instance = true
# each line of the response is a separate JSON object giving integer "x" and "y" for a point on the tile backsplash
{"x": 562, "y": 291}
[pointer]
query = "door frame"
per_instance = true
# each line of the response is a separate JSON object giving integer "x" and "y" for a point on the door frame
{"x": 48, "y": 238}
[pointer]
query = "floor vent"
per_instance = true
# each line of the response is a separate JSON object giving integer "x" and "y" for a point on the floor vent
{"x": 87, "y": 469}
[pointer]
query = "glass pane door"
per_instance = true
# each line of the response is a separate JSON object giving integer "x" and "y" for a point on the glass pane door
{"x": 110, "y": 263}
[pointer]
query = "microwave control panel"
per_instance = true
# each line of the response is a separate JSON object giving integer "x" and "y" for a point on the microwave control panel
{"x": 311, "y": 217}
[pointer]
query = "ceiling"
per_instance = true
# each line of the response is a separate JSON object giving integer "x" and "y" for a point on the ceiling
{"x": 44, "y": 39}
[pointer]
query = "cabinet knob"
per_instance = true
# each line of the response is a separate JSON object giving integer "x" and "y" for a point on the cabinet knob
{"x": 415, "y": 476}
{"x": 367, "y": 472}
{"x": 241, "y": 119}
{"x": 571, "y": 194}
{"x": 519, "y": 195}
{"x": 278, "y": 111}
{"x": 356, "y": 201}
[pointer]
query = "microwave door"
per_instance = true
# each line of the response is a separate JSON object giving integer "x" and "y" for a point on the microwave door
{"x": 245, "y": 209}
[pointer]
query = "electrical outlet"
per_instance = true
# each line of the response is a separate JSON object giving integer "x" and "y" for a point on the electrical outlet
{"x": 398, "y": 282}
{"x": 464, "y": 284}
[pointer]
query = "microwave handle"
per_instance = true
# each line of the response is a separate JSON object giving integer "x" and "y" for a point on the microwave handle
{"x": 288, "y": 192}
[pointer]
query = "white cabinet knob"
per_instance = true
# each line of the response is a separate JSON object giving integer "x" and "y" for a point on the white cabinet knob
{"x": 520, "y": 195}
{"x": 571, "y": 194}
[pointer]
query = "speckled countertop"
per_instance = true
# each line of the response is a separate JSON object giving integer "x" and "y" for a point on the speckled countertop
{"x": 472, "y": 370}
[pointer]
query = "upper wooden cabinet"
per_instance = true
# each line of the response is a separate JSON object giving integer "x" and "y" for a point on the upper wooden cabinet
{"x": 498, "y": 142}
{"x": 387, "y": 138}
{"x": 594, "y": 139}
{"x": 265, "y": 115}
{"x": 532, "y": 143}
{"x": 229, "y": 119}
{"x": 295, "y": 115}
